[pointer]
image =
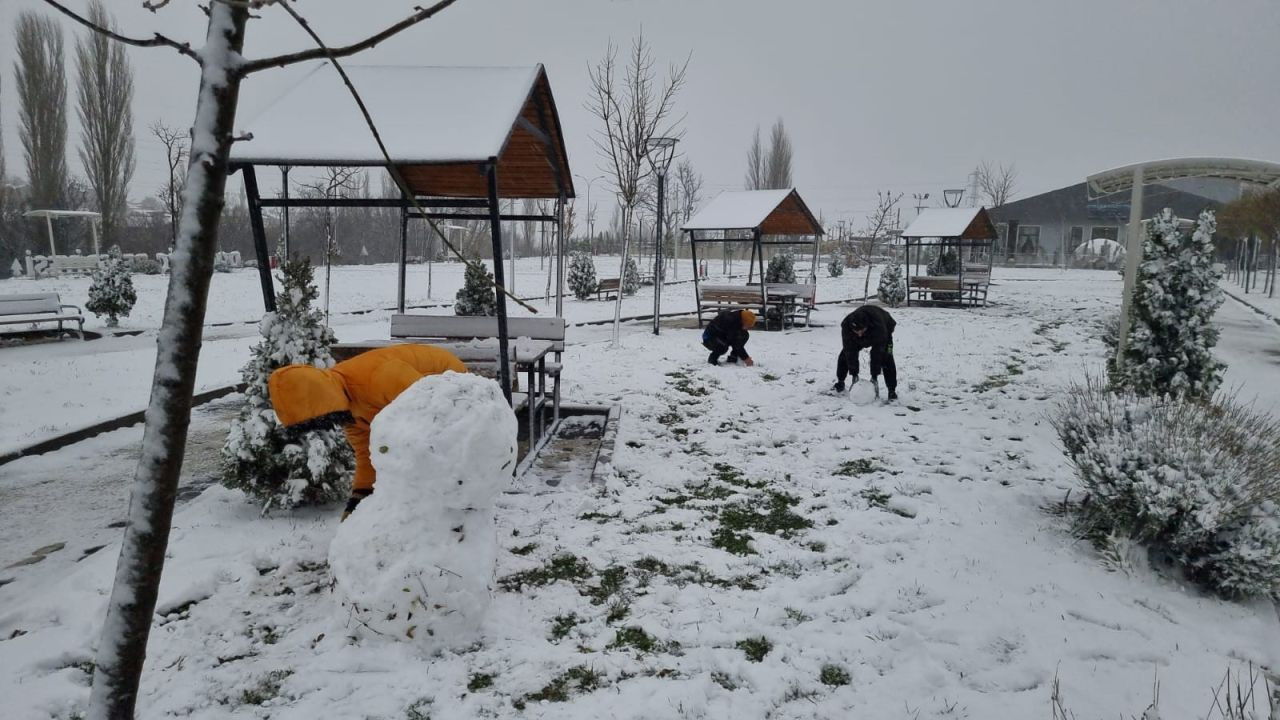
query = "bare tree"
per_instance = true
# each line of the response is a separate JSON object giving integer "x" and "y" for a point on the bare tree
{"x": 881, "y": 225}
{"x": 40, "y": 76}
{"x": 175, "y": 155}
{"x": 632, "y": 107}
{"x": 996, "y": 182}
{"x": 778, "y": 162}
{"x": 689, "y": 184}
{"x": 104, "y": 89}
{"x": 337, "y": 181}
{"x": 757, "y": 172}
{"x": 122, "y": 646}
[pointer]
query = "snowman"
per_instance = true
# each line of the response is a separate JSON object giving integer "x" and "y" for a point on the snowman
{"x": 416, "y": 559}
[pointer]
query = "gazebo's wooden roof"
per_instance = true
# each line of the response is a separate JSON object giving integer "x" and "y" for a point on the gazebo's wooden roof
{"x": 952, "y": 223}
{"x": 441, "y": 127}
{"x": 771, "y": 212}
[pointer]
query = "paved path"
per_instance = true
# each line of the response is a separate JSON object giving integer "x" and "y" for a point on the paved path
{"x": 1250, "y": 345}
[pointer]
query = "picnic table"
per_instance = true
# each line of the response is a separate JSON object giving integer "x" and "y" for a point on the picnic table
{"x": 481, "y": 357}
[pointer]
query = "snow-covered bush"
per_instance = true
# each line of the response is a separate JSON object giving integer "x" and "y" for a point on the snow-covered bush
{"x": 781, "y": 269}
{"x": 111, "y": 294}
{"x": 631, "y": 277}
{"x": 835, "y": 266}
{"x": 1171, "y": 331}
{"x": 221, "y": 264}
{"x": 414, "y": 562}
{"x": 892, "y": 289}
{"x": 945, "y": 262}
{"x": 144, "y": 265}
{"x": 1197, "y": 481}
{"x": 286, "y": 468}
{"x": 477, "y": 294}
{"x": 582, "y": 275}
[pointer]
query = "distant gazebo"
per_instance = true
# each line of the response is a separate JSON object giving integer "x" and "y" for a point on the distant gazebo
{"x": 967, "y": 232}
{"x": 761, "y": 218}
{"x": 51, "y": 215}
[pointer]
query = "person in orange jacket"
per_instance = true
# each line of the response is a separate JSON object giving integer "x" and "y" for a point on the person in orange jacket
{"x": 351, "y": 393}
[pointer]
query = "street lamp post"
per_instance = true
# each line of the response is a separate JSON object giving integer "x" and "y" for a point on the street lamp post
{"x": 591, "y": 230}
{"x": 660, "y": 153}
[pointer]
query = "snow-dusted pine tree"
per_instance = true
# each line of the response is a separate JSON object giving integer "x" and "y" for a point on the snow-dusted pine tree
{"x": 477, "y": 295}
{"x": 1171, "y": 332}
{"x": 782, "y": 269}
{"x": 892, "y": 290}
{"x": 835, "y": 266}
{"x": 582, "y": 275}
{"x": 631, "y": 277}
{"x": 281, "y": 467}
{"x": 111, "y": 295}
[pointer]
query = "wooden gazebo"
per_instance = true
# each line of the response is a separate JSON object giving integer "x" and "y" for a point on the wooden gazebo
{"x": 463, "y": 138}
{"x": 966, "y": 231}
{"x": 761, "y": 218}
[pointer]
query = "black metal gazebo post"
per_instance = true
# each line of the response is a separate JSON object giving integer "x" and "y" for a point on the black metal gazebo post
{"x": 495, "y": 225}
{"x": 254, "y": 199}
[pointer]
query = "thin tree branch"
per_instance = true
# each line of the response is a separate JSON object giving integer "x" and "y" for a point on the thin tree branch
{"x": 392, "y": 168}
{"x": 157, "y": 41}
{"x": 323, "y": 52}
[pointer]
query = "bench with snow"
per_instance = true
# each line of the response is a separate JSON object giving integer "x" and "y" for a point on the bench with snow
{"x": 453, "y": 327}
{"x": 33, "y": 308}
{"x": 73, "y": 264}
{"x": 608, "y": 287}
{"x": 971, "y": 289}
{"x": 805, "y": 296}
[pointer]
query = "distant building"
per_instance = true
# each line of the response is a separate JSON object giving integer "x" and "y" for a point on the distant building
{"x": 1045, "y": 229}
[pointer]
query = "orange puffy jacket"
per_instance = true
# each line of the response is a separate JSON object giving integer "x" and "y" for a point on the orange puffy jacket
{"x": 362, "y": 386}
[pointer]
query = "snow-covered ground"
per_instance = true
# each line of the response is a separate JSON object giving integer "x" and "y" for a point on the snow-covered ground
{"x": 1264, "y": 302}
{"x": 906, "y": 568}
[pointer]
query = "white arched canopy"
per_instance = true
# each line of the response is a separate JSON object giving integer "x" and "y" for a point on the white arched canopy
{"x": 1257, "y": 173}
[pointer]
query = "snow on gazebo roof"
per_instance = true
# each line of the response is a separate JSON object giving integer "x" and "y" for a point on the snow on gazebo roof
{"x": 447, "y": 117}
{"x": 967, "y": 223}
{"x": 774, "y": 212}
{"x": 61, "y": 213}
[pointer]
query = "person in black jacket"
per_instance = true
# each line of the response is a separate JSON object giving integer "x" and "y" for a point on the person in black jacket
{"x": 868, "y": 327}
{"x": 728, "y": 333}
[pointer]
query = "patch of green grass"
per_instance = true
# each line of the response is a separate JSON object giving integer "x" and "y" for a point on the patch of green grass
{"x": 777, "y": 519}
{"x": 618, "y": 611}
{"x": 797, "y": 616}
{"x": 419, "y": 710}
{"x": 267, "y": 688}
{"x": 724, "y": 681}
{"x": 524, "y": 549}
{"x": 687, "y": 387}
{"x": 731, "y": 475}
{"x": 611, "y": 581}
{"x": 562, "y": 625}
{"x": 634, "y": 444}
{"x": 853, "y": 468}
{"x": 577, "y": 679}
{"x": 566, "y": 566}
{"x": 818, "y": 546}
{"x": 769, "y": 377}
{"x": 833, "y": 675}
{"x": 600, "y": 517}
{"x": 479, "y": 681}
{"x": 730, "y": 541}
{"x": 635, "y": 637}
{"x": 755, "y": 648}
{"x": 670, "y": 418}
{"x": 877, "y": 497}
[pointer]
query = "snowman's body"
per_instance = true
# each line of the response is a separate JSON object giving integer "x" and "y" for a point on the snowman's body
{"x": 416, "y": 560}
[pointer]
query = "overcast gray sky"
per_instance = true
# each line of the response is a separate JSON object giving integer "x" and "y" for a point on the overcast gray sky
{"x": 904, "y": 95}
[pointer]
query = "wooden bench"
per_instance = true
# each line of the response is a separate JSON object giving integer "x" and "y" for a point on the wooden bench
{"x": 806, "y": 296}
{"x": 73, "y": 264}
{"x": 607, "y": 286}
{"x": 33, "y": 308}
{"x": 972, "y": 289}
{"x": 454, "y": 327}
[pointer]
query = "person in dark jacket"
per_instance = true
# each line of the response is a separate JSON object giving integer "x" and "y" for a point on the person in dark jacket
{"x": 728, "y": 333}
{"x": 868, "y": 327}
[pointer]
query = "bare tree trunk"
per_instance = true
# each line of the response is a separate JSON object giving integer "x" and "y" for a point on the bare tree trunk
{"x": 123, "y": 645}
{"x": 622, "y": 273}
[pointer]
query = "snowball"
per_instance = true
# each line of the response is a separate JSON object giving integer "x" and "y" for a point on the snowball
{"x": 415, "y": 560}
{"x": 862, "y": 393}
